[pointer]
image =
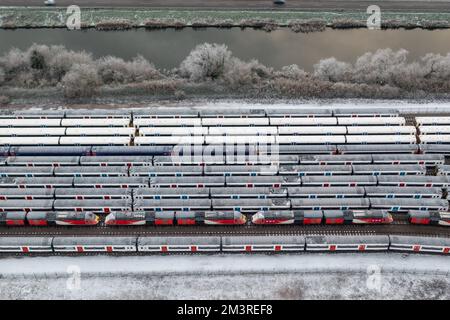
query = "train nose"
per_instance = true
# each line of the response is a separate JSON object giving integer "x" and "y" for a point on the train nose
{"x": 257, "y": 218}
{"x": 110, "y": 219}
{"x": 389, "y": 218}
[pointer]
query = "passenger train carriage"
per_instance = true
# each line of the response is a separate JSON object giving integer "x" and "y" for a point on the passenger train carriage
{"x": 175, "y": 217}
{"x": 429, "y": 217}
{"x": 51, "y": 218}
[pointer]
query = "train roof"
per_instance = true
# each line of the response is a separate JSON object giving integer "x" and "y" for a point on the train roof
{"x": 389, "y": 167}
{"x": 95, "y": 241}
{"x": 170, "y": 191}
{"x": 188, "y": 180}
{"x": 338, "y": 202}
{"x": 171, "y": 203}
{"x": 424, "y": 202}
{"x": 346, "y": 169}
{"x": 59, "y": 192}
{"x": 46, "y": 204}
{"x": 435, "y": 148}
{"x": 26, "y": 241}
{"x": 171, "y": 170}
{"x": 43, "y": 160}
{"x": 413, "y": 178}
{"x": 377, "y": 148}
{"x": 336, "y": 157}
{"x": 384, "y": 157}
{"x": 292, "y": 191}
{"x": 246, "y": 191}
{"x": 95, "y": 170}
{"x": 27, "y": 191}
{"x": 89, "y": 160}
{"x": 25, "y": 171}
{"x": 360, "y": 239}
{"x": 170, "y": 241}
{"x": 301, "y": 149}
{"x": 72, "y": 203}
{"x": 342, "y": 178}
{"x": 68, "y": 181}
{"x": 411, "y": 240}
{"x": 218, "y": 203}
{"x": 402, "y": 190}
{"x": 263, "y": 240}
{"x": 131, "y": 150}
{"x": 298, "y": 112}
{"x": 262, "y": 169}
{"x": 50, "y": 151}
{"x": 109, "y": 180}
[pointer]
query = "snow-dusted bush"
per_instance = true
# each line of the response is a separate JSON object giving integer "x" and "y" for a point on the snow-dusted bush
{"x": 116, "y": 70}
{"x": 379, "y": 67}
{"x": 14, "y": 61}
{"x": 240, "y": 73}
{"x": 4, "y": 100}
{"x": 206, "y": 62}
{"x": 292, "y": 72}
{"x": 306, "y": 26}
{"x": 82, "y": 80}
{"x": 332, "y": 70}
{"x": 2, "y": 76}
{"x": 63, "y": 61}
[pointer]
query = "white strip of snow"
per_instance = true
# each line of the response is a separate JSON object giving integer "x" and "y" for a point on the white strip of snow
{"x": 226, "y": 264}
{"x": 402, "y": 105}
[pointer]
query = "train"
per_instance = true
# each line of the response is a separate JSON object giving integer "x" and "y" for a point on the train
{"x": 51, "y": 218}
{"x": 175, "y": 218}
{"x": 307, "y": 217}
{"x": 429, "y": 217}
{"x": 225, "y": 244}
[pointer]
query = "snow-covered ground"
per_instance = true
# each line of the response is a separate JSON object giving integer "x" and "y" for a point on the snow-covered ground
{"x": 300, "y": 276}
{"x": 404, "y": 106}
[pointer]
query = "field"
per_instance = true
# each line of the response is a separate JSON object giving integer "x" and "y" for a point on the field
{"x": 56, "y": 18}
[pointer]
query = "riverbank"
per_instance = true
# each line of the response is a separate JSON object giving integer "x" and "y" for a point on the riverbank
{"x": 298, "y": 21}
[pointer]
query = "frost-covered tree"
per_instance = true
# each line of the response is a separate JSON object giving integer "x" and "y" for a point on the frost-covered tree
{"x": 206, "y": 62}
{"x": 332, "y": 70}
{"x": 82, "y": 80}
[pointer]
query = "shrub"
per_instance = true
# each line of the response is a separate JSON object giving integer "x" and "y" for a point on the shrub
{"x": 2, "y": 76}
{"x": 4, "y": 100}
{"x": 116, "y": 70}
{"x": 240, "y": 73}
{"x": 206, "y": 62}
{"x": 306, "y": 26}
{"x": 114, "y": 25}
{"x": 332, "y": 70}
{"x": 292, "y": 72}
{"x": 81, "y": 81}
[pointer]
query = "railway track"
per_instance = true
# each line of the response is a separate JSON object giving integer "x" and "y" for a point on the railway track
{"x": 398, "y": 227}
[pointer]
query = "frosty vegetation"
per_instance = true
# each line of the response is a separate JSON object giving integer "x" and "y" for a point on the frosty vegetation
{"x": 381, "y": 74}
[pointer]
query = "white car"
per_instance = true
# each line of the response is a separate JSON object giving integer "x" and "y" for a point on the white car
{"x": 49, "y": 2}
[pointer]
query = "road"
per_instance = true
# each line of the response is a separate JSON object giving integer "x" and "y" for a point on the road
{"x": 318, "y": 5}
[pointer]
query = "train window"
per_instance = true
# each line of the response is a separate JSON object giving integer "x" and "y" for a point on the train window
{"x": 265, "y": 247}
{"x": 10, "y": 249}
{"x": 348, "y": 246}
{"x": 430, "y": 248}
